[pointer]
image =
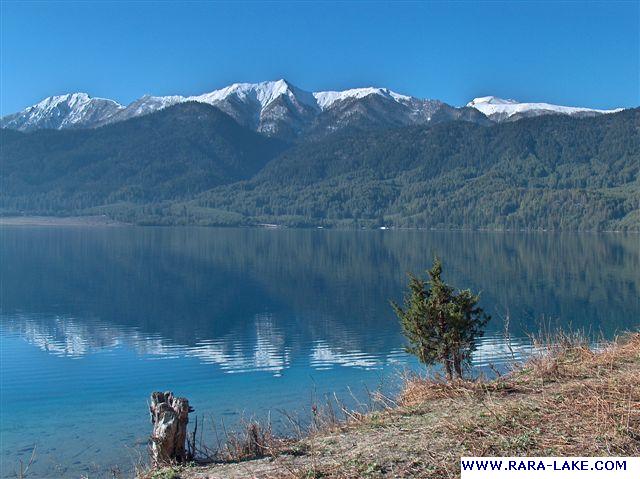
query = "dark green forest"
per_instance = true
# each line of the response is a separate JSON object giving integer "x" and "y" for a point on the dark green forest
{"x": 192, "y": 164}
{"x": 169, "y": 155}
{"x": 549, "y": 172}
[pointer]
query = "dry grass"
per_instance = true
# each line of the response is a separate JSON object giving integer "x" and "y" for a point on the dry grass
{"x": 567, "y": 400}
{"x": 255, "y": 440}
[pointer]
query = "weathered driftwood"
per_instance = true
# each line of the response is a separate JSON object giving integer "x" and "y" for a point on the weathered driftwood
{"x": 169, "y": 416}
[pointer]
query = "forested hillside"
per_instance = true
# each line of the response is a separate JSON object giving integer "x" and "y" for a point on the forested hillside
{"x": 550, "y": 172}
{"x": 169, "y": 155}
{"x": 193, "y": 164}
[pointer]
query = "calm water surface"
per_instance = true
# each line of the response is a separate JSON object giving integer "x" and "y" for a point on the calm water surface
{"x": 246, "y": 321}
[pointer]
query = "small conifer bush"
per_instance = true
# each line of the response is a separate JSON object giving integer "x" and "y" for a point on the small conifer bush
{"x": 441, "y": 324}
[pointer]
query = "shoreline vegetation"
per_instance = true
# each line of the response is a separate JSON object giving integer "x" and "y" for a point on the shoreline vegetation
{"x": 567, "y": 399}
{"x": 105, "y": 220}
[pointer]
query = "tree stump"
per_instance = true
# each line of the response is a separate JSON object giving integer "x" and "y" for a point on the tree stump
{"x": 169, "y": 416}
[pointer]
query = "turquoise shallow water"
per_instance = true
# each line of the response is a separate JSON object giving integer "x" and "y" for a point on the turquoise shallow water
{"x": 249, "y": 321}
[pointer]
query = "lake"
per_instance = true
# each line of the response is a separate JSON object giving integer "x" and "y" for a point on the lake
{"x": 249, "y": 321}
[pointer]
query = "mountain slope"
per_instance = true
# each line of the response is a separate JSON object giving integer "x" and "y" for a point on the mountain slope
{"x": 171, "y": 154}
{"x": 376, "y": 112}
{"x": 548, "y": 172}
{"x": 276, "y": 109}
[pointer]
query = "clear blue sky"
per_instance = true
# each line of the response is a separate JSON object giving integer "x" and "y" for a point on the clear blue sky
{"x": 584, "y": 54}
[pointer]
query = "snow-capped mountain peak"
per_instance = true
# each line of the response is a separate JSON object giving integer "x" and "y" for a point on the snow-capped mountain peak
{"x": 69, "y": 98}
{"x": 263, "y": 93}
{"x": 76, "y": 102}
{"x": 63, "y": 111}
{"x": 490, "y": 100}
{"x": 500, "y": 109}
{"x": 326, "y": 99}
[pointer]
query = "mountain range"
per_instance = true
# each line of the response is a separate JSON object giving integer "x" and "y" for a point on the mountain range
{"x": 270, "y": 153}
{"x": 282, "y": 110}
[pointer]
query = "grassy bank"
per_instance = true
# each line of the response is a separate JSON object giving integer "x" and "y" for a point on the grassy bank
{"x": 568, "y": 400}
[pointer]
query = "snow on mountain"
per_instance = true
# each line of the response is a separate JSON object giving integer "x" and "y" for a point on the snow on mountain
{"x": 258, "y": 105}
{"x": 325, "y": 99}
{"x": 275, "y": 108}
{"x": 149, "y": 104}
{"x": 266, "y": 92}
{"x": 278, "y": 108}
{"x": 143, "y": 106}
{"x": 500, "y": 109}
{"x": 263, "y": 93}
{"x": 73, "y": 110}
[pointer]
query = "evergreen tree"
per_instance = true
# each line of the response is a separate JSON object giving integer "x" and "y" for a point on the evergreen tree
{"x": 442, "y": 325}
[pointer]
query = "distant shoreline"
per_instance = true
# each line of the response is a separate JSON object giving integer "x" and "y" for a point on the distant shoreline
{"x": 97, "y": 220}
{"x": 103, "y": 220}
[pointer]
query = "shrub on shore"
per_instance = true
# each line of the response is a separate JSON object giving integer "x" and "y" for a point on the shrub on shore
{"x": 442, "y": 325}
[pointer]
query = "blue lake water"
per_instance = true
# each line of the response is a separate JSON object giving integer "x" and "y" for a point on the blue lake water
{"x": 249, "y": 321}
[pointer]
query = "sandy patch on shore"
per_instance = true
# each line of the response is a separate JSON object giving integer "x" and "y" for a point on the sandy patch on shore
{"x": 58, "y": 221}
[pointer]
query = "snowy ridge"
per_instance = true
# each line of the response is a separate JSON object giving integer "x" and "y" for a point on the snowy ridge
{"x": 72, "y": 109}
{"x": 263, "y": 93}
{"x": 491, "y": 105}
{"x": 63, "y": 111}
{"x": 326, "y": 99}
{"x": 148, "y": 103}
{"x": 271, "y": 107}
{"x": 266, "y": 92}
{"x": 78, "y": 101}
